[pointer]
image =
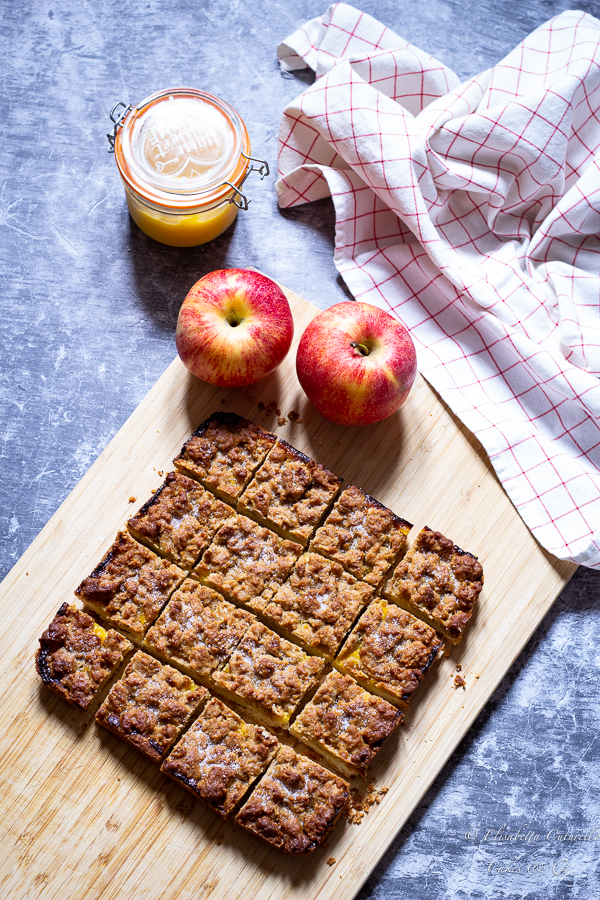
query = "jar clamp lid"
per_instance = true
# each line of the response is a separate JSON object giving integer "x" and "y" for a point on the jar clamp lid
{"x": 182, "y": 149}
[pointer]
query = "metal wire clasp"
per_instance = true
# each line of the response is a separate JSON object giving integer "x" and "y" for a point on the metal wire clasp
{"x": 118, "y": 120}
{"x": 263, "y": 169}
{"x": 239, "y": 198}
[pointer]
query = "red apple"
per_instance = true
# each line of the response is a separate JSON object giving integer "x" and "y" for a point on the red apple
{"x": 356, "y": 363}
{"x": 234, "y": 327}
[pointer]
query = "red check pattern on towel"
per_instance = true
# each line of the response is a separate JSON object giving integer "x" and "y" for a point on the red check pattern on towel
{"x": 471, "y": 211}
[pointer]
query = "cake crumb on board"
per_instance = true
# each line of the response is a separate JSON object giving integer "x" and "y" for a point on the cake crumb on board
{"x": 360, "y": 804}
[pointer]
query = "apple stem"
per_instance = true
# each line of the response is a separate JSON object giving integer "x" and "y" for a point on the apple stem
{"x": 364, "y": 351}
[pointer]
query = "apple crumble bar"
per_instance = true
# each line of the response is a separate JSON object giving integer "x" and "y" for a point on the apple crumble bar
{"x": 151, "y": 705}
{"x": 290, "y": 493}
{"x": 318, "y": 604}
{"x": 224, "y": 452}
{"x": 389, "y": 652}
{"x": 247, "y": 533}
{"x": 77, "y": 656}
{"x": 220, "y": 757}
{"x": 179, "y": 520}
{"x": 198, "y": 630}
{"x": 247, "y": 563}
{"x": 346, "y": 724}
{"x": 295, "y": 805}
{"x": 363, "y": 535}
{"x": 439, "y": 582}
{"x": 130, "y": 586}
{"x": 268, "y": 675}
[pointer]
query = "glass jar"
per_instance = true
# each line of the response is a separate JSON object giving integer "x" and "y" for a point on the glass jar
{"x": 184, "y": 156}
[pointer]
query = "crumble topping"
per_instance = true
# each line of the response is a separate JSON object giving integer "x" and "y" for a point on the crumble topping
{"x": 76, "y": 655}
{"x": 220, "y": 756}
{"x": 318, "y": 604}
{"x": 295, "y": 804}
{"x": 150, "y": 705}
{"x": 130, "y": 586}
{"x": 390, "y": 651}
{"x": 179, "y": 520}
{"x": 346, "y": 721}
{"x": 291, "y": 492}
{"x": 268, "y": 674}
{"x": 247, "y": 563}
{"x": 198, "y": 629}
{"x": 440, "y": 580}
{"x": 224, "y": 452}
{"x": 363, "y": 535}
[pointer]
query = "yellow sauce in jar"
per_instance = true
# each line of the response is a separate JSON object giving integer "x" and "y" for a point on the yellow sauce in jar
{"x": 183, "y": 155}
{"x": 187, "y": 230}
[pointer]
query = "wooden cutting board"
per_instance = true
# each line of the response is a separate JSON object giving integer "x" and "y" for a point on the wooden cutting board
{"x": 84, "y": 816}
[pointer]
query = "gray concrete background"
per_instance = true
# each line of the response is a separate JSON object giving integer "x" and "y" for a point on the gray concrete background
{"x": 89, "y": 306}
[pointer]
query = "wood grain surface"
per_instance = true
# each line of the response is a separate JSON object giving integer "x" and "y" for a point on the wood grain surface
{"x": 85, "y": 816}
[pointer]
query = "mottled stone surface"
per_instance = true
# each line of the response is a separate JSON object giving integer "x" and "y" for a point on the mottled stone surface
{"x": 89, "y": 305}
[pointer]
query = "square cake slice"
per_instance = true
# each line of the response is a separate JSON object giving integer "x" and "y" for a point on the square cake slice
{"x": 223, "y": 453}
{"x": 179, "y": 520}
{"x": 150, "y": 705}
{"x": 439, "y": 582}
{"x": 363, "y": 535}
{"x": 77, "y": 656}
{"x": 346, "y": 724}
{"x": 317, "y": 605}
{"x": 130, "y": 586}
{"x": 389, "y": 652}
{"x": 198, "y": 630}
{"x": 247, "y": 563}
{"x": 295, "y": 805}
{"x": 290, "y": 493}
{"x": 220, "y": 757}
{"x": 268, "y": 675}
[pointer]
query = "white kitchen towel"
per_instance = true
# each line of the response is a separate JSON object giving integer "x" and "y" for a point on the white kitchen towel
{"x": 471, "y": 211}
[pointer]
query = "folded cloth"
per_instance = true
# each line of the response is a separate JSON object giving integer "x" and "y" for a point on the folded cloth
{"x": 471, "y": 211}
